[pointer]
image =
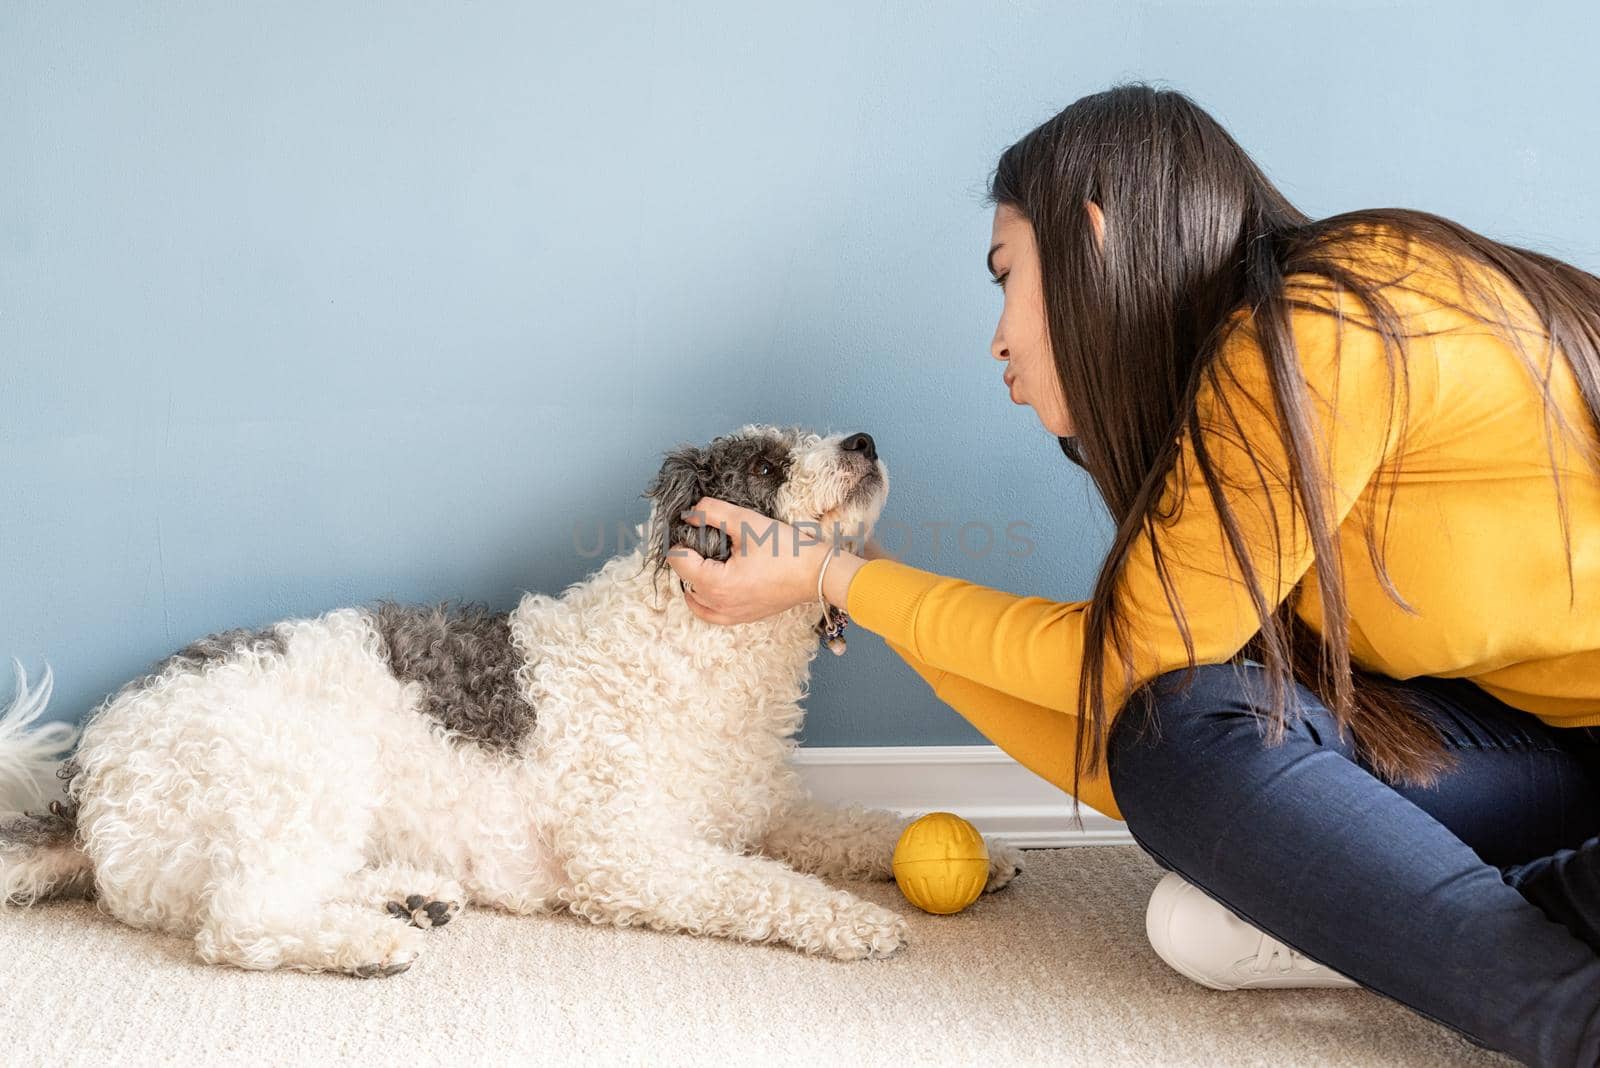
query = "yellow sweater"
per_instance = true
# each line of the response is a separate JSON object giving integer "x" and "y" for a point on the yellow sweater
{"x": 1474, "y": 540}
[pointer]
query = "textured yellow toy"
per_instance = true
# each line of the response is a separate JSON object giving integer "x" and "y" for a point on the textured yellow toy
{"x": 941, "y": 863}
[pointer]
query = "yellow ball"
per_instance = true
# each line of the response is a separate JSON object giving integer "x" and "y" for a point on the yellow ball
{"x": 941, "y": 863}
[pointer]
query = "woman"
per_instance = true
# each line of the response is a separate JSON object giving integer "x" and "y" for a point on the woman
{"x": 1388, "y": 767}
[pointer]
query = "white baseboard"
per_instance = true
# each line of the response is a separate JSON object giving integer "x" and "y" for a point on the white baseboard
{"x": 979, "y": 783}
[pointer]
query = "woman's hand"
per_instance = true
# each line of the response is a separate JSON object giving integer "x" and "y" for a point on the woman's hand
{"x": 773, "y": 565}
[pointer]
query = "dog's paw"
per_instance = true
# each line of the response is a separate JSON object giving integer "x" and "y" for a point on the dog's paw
{"x": 381, "y": 970}
{"x": 383, "y": 950}
{"x": 420, "y": 911}
{"x": 1005, "y": 863}
{"x": 858, "y": 930}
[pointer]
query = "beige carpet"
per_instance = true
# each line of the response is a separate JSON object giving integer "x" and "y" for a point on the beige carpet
{"x": 1055, "y": 969}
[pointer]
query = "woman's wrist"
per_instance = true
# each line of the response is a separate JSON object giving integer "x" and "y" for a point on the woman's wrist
{"x": 836, "y": 579}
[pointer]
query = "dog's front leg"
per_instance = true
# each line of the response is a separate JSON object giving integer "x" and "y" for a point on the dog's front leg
{"x": 835, "y": 843}
{"x": 858, "y": 843}
{"x": 633, "y": 877}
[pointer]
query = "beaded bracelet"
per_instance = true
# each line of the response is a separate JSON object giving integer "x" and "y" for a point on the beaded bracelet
{"x": 834, "y": 620}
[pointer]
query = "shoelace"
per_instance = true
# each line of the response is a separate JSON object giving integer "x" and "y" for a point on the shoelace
{"x": 1270, "y": 950}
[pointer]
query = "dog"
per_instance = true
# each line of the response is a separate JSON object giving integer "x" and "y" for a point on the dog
{"x": 319, "y": 793}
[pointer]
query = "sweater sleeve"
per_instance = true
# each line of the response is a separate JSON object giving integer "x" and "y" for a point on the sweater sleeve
{"x": 1013, "y": 661}
{"x": 1040, "y": 739}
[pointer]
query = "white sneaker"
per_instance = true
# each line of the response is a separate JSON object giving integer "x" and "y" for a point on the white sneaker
{"x": 1206, "y": 942}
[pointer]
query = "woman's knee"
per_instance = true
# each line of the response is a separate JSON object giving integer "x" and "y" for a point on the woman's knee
{"x": 1173, "y": 745}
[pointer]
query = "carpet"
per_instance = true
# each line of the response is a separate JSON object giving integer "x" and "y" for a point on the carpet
{"x": 1053, "y": 970}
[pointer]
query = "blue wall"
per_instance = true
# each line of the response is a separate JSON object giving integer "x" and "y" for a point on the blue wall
{"x": 305, "y": 304}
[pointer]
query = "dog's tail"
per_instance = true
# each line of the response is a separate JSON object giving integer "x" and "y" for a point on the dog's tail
{"x": 39, "y": 854}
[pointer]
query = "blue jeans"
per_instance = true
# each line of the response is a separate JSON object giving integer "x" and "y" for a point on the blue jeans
{"x": 1475, "y": 902}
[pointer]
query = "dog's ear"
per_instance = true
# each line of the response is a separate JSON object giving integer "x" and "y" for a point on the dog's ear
{"x": 677, "y": 487}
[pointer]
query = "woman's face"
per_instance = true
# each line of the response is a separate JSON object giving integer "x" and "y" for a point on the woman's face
{"x": 1021, "y": 339}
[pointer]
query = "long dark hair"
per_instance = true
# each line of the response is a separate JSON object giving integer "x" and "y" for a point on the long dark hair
{"x": 1196, "y": 233}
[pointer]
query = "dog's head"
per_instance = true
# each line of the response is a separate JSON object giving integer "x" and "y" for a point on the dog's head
{"x": 787, "y": 473}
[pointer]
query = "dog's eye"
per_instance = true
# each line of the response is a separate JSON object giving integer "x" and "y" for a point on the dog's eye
{"x": 762, "y": 468}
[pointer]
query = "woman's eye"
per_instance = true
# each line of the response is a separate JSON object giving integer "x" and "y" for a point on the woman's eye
{"x": 1000, "y": 279}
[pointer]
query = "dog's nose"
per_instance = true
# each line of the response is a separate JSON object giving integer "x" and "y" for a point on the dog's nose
{"x": 860, "y": 443}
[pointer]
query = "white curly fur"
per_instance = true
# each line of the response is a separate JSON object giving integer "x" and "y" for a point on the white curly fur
{"x": 27, "y": 753}
{"x": 273, "y": 806}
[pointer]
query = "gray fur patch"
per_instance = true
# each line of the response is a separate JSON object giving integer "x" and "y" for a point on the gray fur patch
{"x": 747, "y": 470}
{"x": 209, "y": 650}
{"x": 66, "y": 772}
{"x": 213, "y": 647}
{"x": 36, "y": 831}
{"x": 466, "y": 663}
